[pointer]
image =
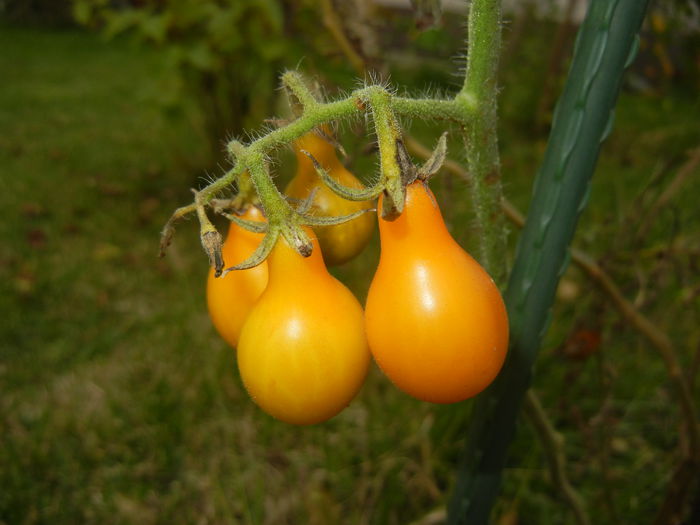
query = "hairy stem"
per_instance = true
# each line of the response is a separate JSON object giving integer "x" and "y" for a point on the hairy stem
{"x": 316, "y": 114}
{"x": 457, "y": 110}
{"x": 479, "y": 96}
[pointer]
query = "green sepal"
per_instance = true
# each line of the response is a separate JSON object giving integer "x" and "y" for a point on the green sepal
{"x": 298, "y": 239}
{"x": 350, "y": 194}
{"x": 251, "y": 226}
{"x": 436, "y": 160}
{"x": 259, "y": 255}
{"x": 406, "y": 167}
{"x": 317, "y": 220}
{"x": 304, "y": 205}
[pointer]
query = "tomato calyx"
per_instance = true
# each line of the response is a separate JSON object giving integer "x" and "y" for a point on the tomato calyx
{"x": 410, "y": 172}
{"x": 431, "y": 166}
{"x": 392, "y": 189}
{"x": 292, "y": 229}
{"x": 305, "y": 205}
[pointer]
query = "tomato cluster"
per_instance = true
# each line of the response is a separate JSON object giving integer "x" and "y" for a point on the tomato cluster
{"x": 434, "y": 320}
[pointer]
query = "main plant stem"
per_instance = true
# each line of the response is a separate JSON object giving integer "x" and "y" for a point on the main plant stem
{"x": 479, "y": 92}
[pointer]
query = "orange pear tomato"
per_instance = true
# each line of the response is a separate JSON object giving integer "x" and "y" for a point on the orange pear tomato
{"x": 436, "y": 322}
{"x": 303, "y": 353}
{"x": 230, "y": 298}
{"x": 340, "y": 242}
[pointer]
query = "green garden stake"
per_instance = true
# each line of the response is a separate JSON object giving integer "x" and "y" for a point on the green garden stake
{"x": 605, "y": 44}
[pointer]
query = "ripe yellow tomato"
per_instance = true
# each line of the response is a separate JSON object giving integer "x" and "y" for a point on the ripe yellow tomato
{"x": 436, "y": 322}
{"x": 303, "y": 353}
{"x": 340, "y": 242}
{"x": 230, "y": 298}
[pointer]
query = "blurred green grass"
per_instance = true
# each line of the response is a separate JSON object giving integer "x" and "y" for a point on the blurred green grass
{"x": 119, "y": 404}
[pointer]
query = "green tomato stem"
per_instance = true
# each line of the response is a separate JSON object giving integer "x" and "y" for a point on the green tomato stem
{"x": 458, "y": 110}
{"x": 478, "y": 98}
{"x": 388, "y": 135}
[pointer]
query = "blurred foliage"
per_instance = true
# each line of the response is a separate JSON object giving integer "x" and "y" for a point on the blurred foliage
{"x": 228, "y": 53}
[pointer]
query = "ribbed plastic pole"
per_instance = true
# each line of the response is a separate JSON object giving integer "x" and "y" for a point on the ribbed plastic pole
{"x": 606, "y": 44}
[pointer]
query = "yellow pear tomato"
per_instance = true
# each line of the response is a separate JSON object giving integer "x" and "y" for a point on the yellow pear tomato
{"x": 303, "y": 354}
{"x": 340, "y": 242}
{"x": 436, "y": 322}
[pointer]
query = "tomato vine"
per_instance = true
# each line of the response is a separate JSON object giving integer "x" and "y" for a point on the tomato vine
{"x": 376, "y": 101}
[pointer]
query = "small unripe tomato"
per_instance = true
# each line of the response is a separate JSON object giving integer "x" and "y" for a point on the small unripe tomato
{"x": 340, "y": 242}
{"x": 436, "y": 322}
{"x": 231, "y": 297}
{"x": 303, "y": 353}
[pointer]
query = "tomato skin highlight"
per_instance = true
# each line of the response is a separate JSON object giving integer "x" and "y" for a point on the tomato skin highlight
{"x": 230, "y": 298}
{"x": 436, "y": 323}
{"x": 303, "y": 352}
{"x": 340, "y": 242}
